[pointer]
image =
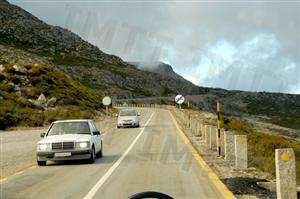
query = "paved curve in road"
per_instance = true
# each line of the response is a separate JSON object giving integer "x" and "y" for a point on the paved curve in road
{"x": 152, "y": 157}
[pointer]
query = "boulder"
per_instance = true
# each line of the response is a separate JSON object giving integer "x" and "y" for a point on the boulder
{"x": 20, "y": 69}
{"x": 42, "y": 98}
{"x": 1, "y": 68}
{"x": 51, "y": 102}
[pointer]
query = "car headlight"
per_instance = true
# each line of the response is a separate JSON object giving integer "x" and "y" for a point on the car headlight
{"x": 44, "y": 147}
{"x": 83, "y": 145}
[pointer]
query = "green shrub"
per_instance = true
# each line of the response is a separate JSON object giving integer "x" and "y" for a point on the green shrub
{"x": 8, "y": 114}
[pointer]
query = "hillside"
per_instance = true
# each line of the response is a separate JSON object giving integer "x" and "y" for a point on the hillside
{"x": 33, "y": 92}
{"x": 82, "y": 61}
{"x": 274, "y": 108}
{"x": 49, "y": 73}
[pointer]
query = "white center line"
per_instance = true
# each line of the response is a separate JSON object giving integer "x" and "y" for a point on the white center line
{"x": 102, "y": 180}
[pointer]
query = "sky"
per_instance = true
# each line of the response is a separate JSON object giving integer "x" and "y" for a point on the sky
{"x": 238, "y": 45}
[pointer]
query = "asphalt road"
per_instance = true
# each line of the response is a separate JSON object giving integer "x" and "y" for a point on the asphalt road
{"x": 152, "y": 157}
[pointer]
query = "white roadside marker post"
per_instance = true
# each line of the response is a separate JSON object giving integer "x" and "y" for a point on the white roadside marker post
{"x": 285, "y": 173}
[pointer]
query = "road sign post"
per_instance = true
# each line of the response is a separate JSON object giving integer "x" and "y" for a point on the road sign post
{"x": 179, "y": 99}
{"x": 106, "y": 101}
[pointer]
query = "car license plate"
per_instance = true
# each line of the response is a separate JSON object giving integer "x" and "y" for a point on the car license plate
{"x": 62, "y": 154}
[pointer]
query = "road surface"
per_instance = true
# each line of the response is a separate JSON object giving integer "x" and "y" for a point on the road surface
{"x": 152, "y": 157}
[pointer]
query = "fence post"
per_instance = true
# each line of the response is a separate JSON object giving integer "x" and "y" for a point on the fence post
{"x": 222, "y": 142}
{"x": 204, "y": 133}
{"x": 207, "y": 136}
{"x": 241, "y": 159}
{"x": 285, "y": 173}
{"x": 213, "y": 137}
{"x": 198, "y": 129}
{"x": 229, "y": 147}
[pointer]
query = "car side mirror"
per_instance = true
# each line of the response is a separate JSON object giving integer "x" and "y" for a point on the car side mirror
{"x": 42, "y": 135}
{"x": 96, "y": 133}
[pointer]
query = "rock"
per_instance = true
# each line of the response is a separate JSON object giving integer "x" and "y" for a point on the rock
{"x": 1, "y": 68}
{"x": 41, "y": 102}
{"x": 20, "y": 69}
{"x": 51, "y": 102}
{"x": 42, "y": 98}
{"x": 17, "y": 88}
{"x": 267, "y": 185}
{"x": 19, "y": 93}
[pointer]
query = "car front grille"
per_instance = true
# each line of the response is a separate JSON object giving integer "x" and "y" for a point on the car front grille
{"x": 62, "y": 145}
{"x": 127, "y": 121}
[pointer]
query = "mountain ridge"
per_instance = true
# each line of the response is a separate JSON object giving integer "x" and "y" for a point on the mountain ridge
{"x": 80, "y": 59}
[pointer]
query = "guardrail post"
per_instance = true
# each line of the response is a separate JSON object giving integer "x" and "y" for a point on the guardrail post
{"x": 213, "y": 137}
{"x": 285, "y": 173}
{"x": 202, "y": 129}
{"x": 229, "y": 147}
{"x": 198, "y": 129}
{"x": 221, "y": 143}
{"x": 207, "y": 135}
{"x": 191, "y": 125}
{"x": 241, "y": 159}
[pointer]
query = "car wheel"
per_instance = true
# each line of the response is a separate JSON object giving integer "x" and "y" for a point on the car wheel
{"x": 100, "y": 153}
{"x": 92, "y": 158}
{"x": 41, "y": 163}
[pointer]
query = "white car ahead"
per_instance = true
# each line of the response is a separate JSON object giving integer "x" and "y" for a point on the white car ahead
{"x": 128, "y": 118}
{"x": 70, "y": 140}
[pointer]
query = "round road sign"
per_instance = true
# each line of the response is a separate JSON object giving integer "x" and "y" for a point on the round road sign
{"x": 179, "y": 99}
{"x": 106, "y": 101}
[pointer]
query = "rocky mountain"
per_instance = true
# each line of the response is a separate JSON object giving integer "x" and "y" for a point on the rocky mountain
{"x": 158, "y": 67}
{"x": 82, "y": 61}
{"x": 48, "y": 73}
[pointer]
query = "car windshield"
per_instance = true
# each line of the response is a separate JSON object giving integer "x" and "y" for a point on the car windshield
{"x": 128, "y": 113}
{"x": 62, "y": 128}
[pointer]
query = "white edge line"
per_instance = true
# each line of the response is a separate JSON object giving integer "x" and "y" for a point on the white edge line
{"x": 102, "y": 180}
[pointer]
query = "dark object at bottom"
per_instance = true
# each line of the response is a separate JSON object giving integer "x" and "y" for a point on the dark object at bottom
{"x": 150, "y": 194}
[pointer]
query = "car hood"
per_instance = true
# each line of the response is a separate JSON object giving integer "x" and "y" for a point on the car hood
{"x": 66, "y": 138}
